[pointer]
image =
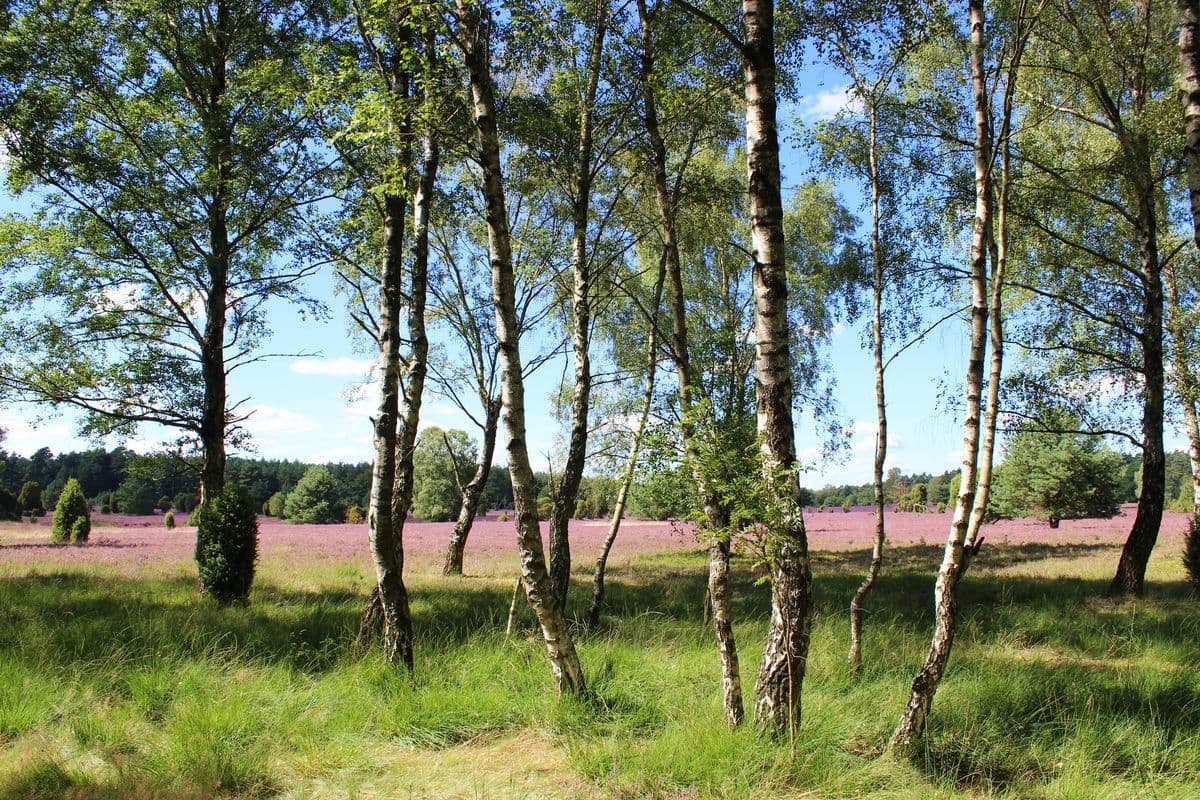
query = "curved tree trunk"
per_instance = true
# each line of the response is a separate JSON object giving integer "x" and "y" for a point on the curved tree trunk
{"x": 472, "y": 493}
{"x": 539, "y": 590}
{"x": 567, "y": 489}
{"x": 716, "y": 519}
{"x": 954, "y": 560}
{"x": 854, "y": 658}
{"x": 1130, "y": 577}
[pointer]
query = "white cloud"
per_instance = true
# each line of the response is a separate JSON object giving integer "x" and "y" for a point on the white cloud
{"x": 338, "y": 367}
{"x": 266, "y": 419}
{"x": 828, "y": 104}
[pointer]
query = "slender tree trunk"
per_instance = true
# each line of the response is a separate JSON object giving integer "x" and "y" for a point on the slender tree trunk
{"x": 1189, "y": 58}
{"x": 1130, "y": 577}
{"x": 390, "y": 597}
{"x": 954, "y": 560}
{"x": 472, "y": 493}
{"x": 716, "y": 519}
{"x": 539, "y": 590}
{"x": 1189, "y": 80}
{"x": 854, "y": 659}
{"x": 999, "y": 249}
{"x": 581, "y": 322}
{"x": 785, "y": 654}
{"x": 593, "y": 613}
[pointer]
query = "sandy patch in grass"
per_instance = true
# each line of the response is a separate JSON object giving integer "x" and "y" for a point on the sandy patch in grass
{"x": 526, "y": 766}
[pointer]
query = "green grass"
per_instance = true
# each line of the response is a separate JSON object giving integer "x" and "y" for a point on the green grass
{"x": 112, "y": 687}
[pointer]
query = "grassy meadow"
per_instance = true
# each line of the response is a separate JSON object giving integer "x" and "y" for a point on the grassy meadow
{"x": 124, "y": 683}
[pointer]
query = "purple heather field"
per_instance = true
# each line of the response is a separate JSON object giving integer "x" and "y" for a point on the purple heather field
{"x": 135, "y": 543}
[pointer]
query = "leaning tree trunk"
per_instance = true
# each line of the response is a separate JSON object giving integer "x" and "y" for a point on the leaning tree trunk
{"x": 781, "y": 673}
{"x": 539, "y": 590}
{"x": 567, "y": 489}
{"x": 593, "y": 612}
{"x": 1130, "y": 577}
{"x": 472, "y": 492}
{"x": 954, "y": 560}
{"x": 854, "y": 659}
{"x": 999, "y": 249}
{"x": 716, "y": 517}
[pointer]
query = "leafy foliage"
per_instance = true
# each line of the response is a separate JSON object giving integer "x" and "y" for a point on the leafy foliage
{"x": 29, "y": 499}
{"x": 1056, "y": 475}
{"x": 317, "y": 498}
{"x": 436, "y": 496}
{"x": 227, "y": 545}
{"x": 72, "y": 515}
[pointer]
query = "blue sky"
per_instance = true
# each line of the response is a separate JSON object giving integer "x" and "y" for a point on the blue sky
{"x": 314, "y": 407}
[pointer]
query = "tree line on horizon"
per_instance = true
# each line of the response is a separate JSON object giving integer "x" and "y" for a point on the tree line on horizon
{"x": 493, "y": 186}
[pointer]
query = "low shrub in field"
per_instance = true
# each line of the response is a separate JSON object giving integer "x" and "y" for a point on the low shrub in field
{"x": 29, "y": 498}
{"x": 355, "y": 516}
{"x": 72, "y": 515}
{"x": 502, "y": 518}
{"x": 1191, "y": 552}
{"x": 169, "y": 520}
{"x": 227, "y": 545}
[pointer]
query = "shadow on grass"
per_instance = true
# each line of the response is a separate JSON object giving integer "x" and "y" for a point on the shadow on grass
{"x": 77, "y": 616}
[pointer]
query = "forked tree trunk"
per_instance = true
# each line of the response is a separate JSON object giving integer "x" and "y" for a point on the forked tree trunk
{"x": 1130, "y": 577}
{"x": 472, "y": 493}
{"x": 539, "y": 590}
{"x": 785, "y": 654}
{"x": 581, "y": 323}
{"x": 854, "y": 658}
{"x": 716, "y": 519}
{"x": 614, "y": 525}
{"x": 999, "y": 250}
{"x": 916, "y": 712}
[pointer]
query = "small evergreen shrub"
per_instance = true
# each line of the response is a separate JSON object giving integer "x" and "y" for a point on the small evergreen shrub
{"x": 169, "y": 520}
{"x": 72, "y": 515}
{"x": 941, "y": 508}
{"x": 227, "y": 545}
{"x": 1191, "y": 552}
{"x": 502, "y": 518}
{"x": 316, "y": 498}
{"x": 29, "y": 499}
{"x": 355, "y": 516}
{"x": 846, "y": 506}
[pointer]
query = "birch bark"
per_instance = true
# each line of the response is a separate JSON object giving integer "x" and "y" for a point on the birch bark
{"x": 539, "y": 589}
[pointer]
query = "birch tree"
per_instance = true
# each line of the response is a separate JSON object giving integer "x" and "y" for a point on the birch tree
{"x": 474, "y": 29}
{"x": 170, "y": 160}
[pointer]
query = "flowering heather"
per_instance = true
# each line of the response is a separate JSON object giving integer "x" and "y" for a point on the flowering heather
{"x": 133, "y": 544}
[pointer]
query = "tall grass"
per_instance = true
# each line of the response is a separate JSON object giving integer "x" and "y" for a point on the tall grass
{"x": 114, "y": 687}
